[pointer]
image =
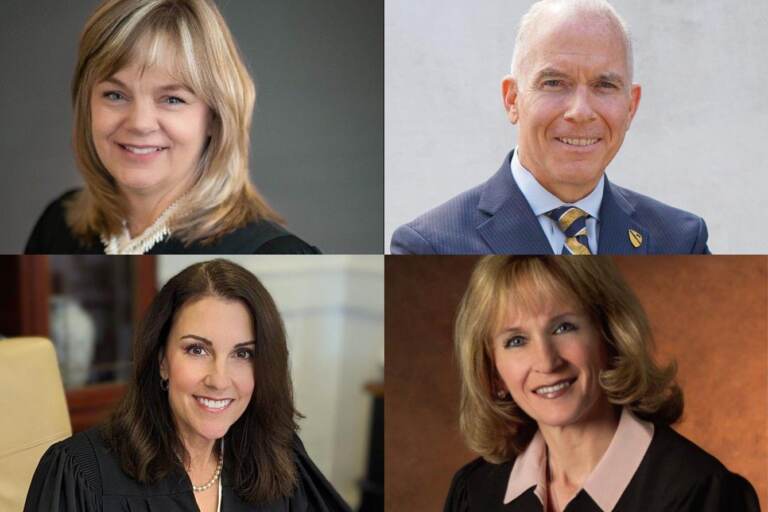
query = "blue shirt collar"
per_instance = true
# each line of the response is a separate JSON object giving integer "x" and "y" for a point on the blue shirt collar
{"x": 542, "y": 200}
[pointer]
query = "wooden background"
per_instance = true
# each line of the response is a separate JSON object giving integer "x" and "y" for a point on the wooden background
{"x": 708, "y": 313}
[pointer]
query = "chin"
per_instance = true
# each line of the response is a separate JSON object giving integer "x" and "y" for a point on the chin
{"x": 579, "y": 173}
{"x": 563, "y": 414}
{"x": 212, "y": 431}
{"x": 132, "y": 177}
{"x": 557, "y": 419}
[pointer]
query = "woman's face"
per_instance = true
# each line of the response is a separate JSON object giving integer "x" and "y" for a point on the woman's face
{"x": 549, "y": 359}
{"x": 149, "y": 130}
{"x": 208, "y": 362}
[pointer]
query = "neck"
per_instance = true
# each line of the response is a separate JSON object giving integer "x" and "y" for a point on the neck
{"x": 143, "y": 208}
{"x": 565, "y": 192}
{"x": 201, "y": 458}
{"x": 574, "y": 450}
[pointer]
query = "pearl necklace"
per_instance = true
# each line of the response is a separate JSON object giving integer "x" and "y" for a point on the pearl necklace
{"x": 209, "y": 483}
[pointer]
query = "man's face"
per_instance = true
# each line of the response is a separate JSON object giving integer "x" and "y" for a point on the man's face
{"x": 573, "y": 102}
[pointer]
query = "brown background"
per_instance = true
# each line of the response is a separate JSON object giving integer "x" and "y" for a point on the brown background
{"x": 708, "y": 313}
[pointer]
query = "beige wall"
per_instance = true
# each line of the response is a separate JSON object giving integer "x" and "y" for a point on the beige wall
{"x": 709, "y": 313}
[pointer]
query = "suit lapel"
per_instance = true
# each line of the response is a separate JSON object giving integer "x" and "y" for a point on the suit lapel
{"x": 616, "y": 221}
{"x": 512, "y": 227}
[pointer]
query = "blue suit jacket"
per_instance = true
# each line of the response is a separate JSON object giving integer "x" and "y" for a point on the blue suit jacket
{"x": 496, "y": 218}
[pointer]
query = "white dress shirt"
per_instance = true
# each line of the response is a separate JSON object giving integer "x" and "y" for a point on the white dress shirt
{"x": 543, "y": 201}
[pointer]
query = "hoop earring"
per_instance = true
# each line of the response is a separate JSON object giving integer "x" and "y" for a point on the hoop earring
{"x": 164, "y": 384}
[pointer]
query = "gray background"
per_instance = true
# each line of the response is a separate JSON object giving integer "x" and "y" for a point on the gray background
{"x": 697, "y": 142}
{"x": 317, "y": 136}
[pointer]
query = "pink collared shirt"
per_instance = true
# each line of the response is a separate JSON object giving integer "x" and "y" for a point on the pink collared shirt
{"x": 608, "y": 480}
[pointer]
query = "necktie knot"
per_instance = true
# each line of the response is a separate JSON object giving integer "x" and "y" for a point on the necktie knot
{"x": 572, "y": 221}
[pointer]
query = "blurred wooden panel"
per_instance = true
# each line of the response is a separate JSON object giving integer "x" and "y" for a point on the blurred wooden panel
{"x": 91, "y": 405}
{"x": 24, "y": 301}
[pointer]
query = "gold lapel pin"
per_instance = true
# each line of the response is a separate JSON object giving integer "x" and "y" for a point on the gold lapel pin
{"x": 635, "y": 238}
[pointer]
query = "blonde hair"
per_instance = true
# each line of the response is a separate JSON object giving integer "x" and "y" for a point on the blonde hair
{"x": 207, "y": 61}
{"x": 496, "y": 428}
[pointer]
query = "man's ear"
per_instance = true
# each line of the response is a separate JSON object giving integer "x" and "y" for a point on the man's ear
{"x": 509, "y": 96}
{"x": 636, "y": 93}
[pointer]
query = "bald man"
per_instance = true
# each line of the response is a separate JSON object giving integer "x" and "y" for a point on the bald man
{"x": 571, "y": 95}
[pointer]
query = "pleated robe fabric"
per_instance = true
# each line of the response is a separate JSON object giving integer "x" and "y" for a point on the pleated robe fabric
{"x": 80, "y": 474}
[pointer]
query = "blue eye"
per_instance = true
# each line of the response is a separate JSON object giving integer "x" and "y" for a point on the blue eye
{"x": 174, "y": 100}
{"x": 564, "y": 327}
{"x": 113, "y": 96}
{"x": 552, "y": 83}
{"x": 514, "y": 341}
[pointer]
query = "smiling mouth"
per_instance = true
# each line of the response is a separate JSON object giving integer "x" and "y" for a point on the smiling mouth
{"x": 142, "y": 150}
{"x": 214, "y": 405}
{"x": 580, "y": 142}
{"x": 554, "y": 390}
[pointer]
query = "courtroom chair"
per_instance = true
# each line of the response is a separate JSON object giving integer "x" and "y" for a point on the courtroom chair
{"x": 33, "y": 411}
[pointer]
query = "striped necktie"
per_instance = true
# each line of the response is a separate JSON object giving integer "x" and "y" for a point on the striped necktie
{"x": 572, "y": 222}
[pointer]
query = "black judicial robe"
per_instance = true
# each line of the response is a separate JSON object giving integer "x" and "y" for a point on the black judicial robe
{"x": 79, "y": 474}
{"x": 51, "y": 235}
{"x": 675, "y": 475}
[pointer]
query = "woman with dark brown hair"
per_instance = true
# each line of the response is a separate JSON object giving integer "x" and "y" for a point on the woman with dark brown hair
{"x": 208, "y": 421}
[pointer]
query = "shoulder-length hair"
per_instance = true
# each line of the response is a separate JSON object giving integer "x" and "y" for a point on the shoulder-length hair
{"x": 497, "y": 428}
{"x": 259, "y": 445}
{"x": 193, "y": 40}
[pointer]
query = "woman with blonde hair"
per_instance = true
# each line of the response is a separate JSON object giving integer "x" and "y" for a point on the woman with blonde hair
{"x": 162, "y": 105}
{"x": 564, "y": 402}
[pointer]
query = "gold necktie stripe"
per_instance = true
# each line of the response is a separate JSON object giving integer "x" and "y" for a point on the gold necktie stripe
{"x": 570, "y": 217}
{"x": 577, "y": 247}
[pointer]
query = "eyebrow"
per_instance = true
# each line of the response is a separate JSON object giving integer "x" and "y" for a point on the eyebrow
{"x": 611, "y": 77}
{"x": 549, "y": 73}
{"x": 162, "y": 88}
{"x": 515, "y": 328}
{"x": 210, "y": 343}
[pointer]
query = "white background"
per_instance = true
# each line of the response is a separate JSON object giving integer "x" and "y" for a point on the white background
{"x": 698, "y": 141}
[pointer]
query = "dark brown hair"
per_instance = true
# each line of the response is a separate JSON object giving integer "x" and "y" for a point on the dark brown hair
{"x": 259, "y": 445}
{"x": 497, "y": 428}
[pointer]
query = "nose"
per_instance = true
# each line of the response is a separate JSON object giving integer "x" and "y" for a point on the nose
{"x": 580, "y": 107}
{"x": 216, "y": 376}
{"x": 142, "y": 118}
{"x": 547, "y": 358}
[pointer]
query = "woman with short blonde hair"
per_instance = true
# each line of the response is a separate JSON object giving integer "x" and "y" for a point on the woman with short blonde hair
{"x": 562, "y": 399}
{"x": 162, "y": 105}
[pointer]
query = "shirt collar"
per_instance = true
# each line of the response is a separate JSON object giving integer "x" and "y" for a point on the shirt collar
{"x": 529, "y": 470}
{"x": 543, "y": 201}
{"x": 608, "y": 480}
